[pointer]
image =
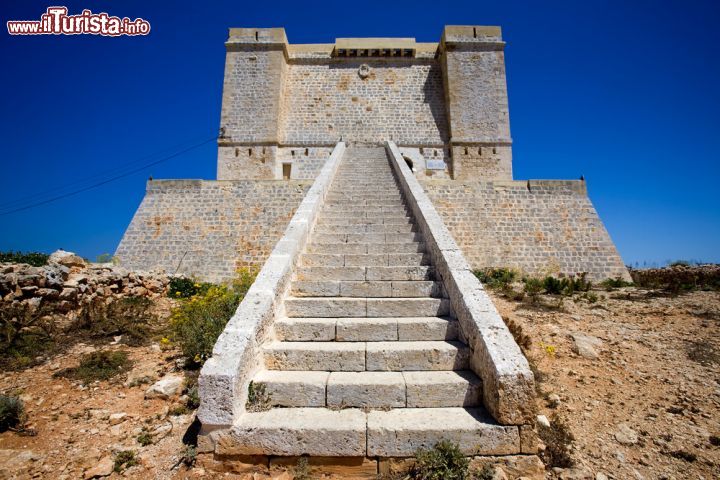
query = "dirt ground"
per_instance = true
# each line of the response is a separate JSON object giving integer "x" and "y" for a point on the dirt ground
{"x": 648, "y": 405}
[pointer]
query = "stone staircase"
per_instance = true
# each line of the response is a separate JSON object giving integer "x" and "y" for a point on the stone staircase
{"x": 366, "y": 359}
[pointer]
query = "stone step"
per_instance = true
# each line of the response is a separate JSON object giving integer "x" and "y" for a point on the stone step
{"x": 371, "y": 389}
{"x": 329, "y": 307}
{"x": 398, "y": 203}
{"x": 316, "y": 356}
{"x": 392, "y": 356}
{"x": 365, "y": 273}
{"x": 345, "y": 196}
{"x": 366, "y": 237}
{"x": 400, "y": 273}
{"x": 364, "y": 260}
{"x": 344, "y": 214}
{"x": 300, "y": 431}
{"x": 366, "y": 389}
{"x": 402, "y": 432}
{"x": 365, "y": 248}
{"x": 373, "y": 289}
{"x": 400, "y": 220}
{"x": 416, "y": 356}
{"x": 365, "y": 228}
{"x": 365, "y": 329}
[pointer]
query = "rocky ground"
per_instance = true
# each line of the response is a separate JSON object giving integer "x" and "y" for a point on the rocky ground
{"x": 635, "y": 375}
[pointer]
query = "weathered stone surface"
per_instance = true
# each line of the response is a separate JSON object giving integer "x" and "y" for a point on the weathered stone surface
{"x": 413, "y": 356}
{"x": 586, "y": 345}
{"x": 66, "y": 259}
{"x": 443, "y": 389}
{"x": 407, "y": 307}
{"x": 401, "y": 432}
{"x": 366, "y": 329}
{"x": 326, "y": 307}
{"x": 167, "y": 387}
{"x": 294, "y": 389}
{"x": 366, "y": 389}
{"x": 102, "y": 469}
{"x": 313, "y": 431}
{"x": 528, "y": 467}
{"x": 327, "y": 356}
{"x": 426, "y": 328}
{"x": 305, "y": 329}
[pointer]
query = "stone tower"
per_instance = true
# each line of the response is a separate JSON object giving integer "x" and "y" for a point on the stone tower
{"x": 286, "y": 106}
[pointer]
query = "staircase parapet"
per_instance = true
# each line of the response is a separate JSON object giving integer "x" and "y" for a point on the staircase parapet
{"x": 225, "y": 376}
{"x": 508, "y": 382}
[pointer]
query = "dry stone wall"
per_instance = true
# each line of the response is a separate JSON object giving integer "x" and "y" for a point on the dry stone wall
{"x": 209, "y": 228}
{"x": 539, "y": 227}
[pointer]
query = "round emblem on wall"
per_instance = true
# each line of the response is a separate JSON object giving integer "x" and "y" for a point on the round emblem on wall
{"x": 364, "y": 70}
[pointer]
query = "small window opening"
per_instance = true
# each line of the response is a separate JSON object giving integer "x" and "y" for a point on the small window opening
{"x": 307, "y": 152}
{"x": 287, "y": 168}
{"x": 494, "y": 150}
{"x": 479, "y": 150}
{"x": 466, "y": 151}
{"x": 292, "y": 153}
{"x": 256, "y": 35}
{"x": 237, "y": 152}
{"x": 250, "y": 152}
{"x": 474, "y": 32}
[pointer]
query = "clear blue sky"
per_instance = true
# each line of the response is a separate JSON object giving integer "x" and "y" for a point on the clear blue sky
{"x": 626, "y": 93}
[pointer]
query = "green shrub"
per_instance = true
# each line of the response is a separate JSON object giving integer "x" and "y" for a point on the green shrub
{"x": 145, "y": 438}
{"x": 577, "y": 283}
{"x": 130, "y": 317}
{"x": 552, "y": 285}
{"x": 198, "y": 322}
{"x": 487, "y": 473}
{"x": 101, "y": 365}
{"x": 36, "y": 259}
{"x": 678, "y": 278}
{"x": 258, "y": 399}
{"x": 496, "y": 278}
{"x": 181, "y": 287}
{"x": 532, "y": 288}
{"x": 107, "y": 258}
{"x": 613, "y": 283}
{"x": 12, "y": 412}
{"x": 443, "y": 462}
{"x": 557, "y": 438}
{"x": 123, "y": 460}
{"x": 25, "y": 334}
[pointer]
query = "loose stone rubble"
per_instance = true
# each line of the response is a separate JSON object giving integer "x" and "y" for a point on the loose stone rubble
{"x": 67, "y": 282}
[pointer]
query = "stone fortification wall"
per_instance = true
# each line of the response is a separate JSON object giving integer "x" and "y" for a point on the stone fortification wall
{"x": 539, "y": 227}
{"x": 209, "y": 228}
{"x": 401, "y": 99}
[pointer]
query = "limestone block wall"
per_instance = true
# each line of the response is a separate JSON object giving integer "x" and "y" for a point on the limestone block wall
{"x": 539, "y": 227}
{"x": 476, "y": 93}
{"x": 208, "y": 228}
{"x": 254, "y": 75}
{"x": 305, "y": 162}
{"x": 402, "y": 99}
{"x": 247, "y": 161}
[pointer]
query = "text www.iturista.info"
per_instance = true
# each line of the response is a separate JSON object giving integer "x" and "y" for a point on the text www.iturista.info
{"x": 56, "y": 21}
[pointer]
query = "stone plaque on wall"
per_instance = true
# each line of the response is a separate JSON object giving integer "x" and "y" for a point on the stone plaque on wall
{"x": 435, "y": 165}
